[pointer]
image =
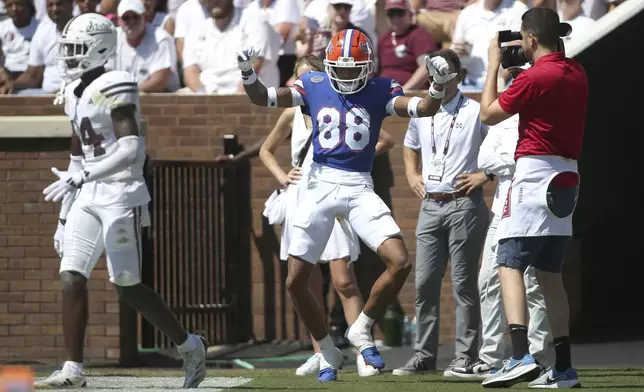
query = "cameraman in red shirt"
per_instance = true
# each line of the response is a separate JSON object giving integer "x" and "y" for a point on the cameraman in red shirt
{"x": 550, "y": 98}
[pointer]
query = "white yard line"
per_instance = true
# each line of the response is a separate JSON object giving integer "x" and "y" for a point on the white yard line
{"x": 160, "y": 384}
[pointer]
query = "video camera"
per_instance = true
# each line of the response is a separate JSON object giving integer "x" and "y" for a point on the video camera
{"x": 514, "y": 56}
{"x": 511, "y": 56}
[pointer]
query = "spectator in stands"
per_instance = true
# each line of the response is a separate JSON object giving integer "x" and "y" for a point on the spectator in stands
{"x": 41, "y": 76}
{"x": 438, "y": 17}
{"x": 475, "y": 27}
{"x": 189, "y": 17}
{"x": 209, "y": 55}
{"x": 146, "y": 51}
{"x": 595, "y": 9}
{"x": 80, "y": 7}
{"x": 314, "y": 35}
{"x": 402, "y": 48}
{"x": 572, "y": 12}
{"x": 283, "y": 16}
{"x": 15, "y": 36}
{"x": 86, "y": 6}
{"x": 361, "y": 16}
{"x": 156, "y": 14}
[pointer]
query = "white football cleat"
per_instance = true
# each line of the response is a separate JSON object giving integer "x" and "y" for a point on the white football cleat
{"x": 311, "y": 366}
{"x": 62, "y": 380}
{"x": 365, "y": 370}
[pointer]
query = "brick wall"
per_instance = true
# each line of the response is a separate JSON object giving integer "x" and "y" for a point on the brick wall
{"x": 186, "y": 127}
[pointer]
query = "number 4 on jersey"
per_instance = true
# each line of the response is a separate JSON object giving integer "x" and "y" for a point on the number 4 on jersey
{"x": 350, "y": 127}
{"x": 91, "y": 138}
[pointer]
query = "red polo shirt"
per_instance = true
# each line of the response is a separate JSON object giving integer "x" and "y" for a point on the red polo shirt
{"x": 399, "y": 64}
{"x": 550, "y": 98}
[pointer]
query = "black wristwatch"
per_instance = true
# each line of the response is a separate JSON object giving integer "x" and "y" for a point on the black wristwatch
{"x": 489, "y": 175}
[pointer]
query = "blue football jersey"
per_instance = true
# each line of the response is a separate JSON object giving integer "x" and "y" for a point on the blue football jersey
{"x": 346, "y": 127}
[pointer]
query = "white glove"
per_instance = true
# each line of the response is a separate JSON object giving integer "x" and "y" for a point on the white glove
{"x": 58, "y": 239}
{"x": 438, "y": 69}
{"x": 246, "y": 58}
{"x": 66, "y": 183}
{"x": 60, "y": 95}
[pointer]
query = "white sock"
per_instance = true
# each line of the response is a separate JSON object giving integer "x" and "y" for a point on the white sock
{"x": 189, "y": 345}
{"x": 364, "y": 321}
{"x": 71, "y": 367}
{"x": 326, "y": 343}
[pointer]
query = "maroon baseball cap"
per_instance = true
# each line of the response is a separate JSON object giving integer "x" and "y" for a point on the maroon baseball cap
{"x": 396, "y": 5}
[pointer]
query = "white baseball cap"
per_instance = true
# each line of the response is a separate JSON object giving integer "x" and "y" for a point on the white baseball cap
{"x": 350, "y": 2}
{"x": 135, "y": 6}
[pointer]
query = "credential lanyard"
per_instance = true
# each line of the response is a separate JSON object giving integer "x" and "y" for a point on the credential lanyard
{"x": 449, "y": 133}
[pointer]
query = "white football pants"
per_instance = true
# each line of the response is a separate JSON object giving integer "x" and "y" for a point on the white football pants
{"x": 91, "y": 229}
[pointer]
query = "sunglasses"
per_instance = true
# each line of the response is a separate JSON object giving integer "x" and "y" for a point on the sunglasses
{"x": 396, "y": 13}
{"x": 133, "y": 18}
{"x": 340, "y": 7}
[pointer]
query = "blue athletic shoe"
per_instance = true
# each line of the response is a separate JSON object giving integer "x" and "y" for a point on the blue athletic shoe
{"x": 361, "y": 339}
{"x": 327, "y": 374}
{"x": 554, "y": 379}
{"x": 514, "y": 371}
{"x": 372, "y": 357}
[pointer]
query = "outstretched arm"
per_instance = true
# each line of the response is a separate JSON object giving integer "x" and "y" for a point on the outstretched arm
{"x": 260, "y": 95}
{"x": 439, "y": 73}
{"x": 415, "y": 106}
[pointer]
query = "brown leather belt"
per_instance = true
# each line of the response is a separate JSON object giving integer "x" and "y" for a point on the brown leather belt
{"x": 444, "y": 196}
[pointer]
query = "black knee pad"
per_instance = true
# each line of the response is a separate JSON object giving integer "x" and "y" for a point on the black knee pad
{"x": 71, "y": 280}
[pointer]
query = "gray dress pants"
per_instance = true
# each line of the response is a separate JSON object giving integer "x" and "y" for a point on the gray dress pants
{"x": 449, "y": 229}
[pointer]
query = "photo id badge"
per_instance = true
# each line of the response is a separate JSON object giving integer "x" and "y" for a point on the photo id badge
{"x": 436, "y": 169}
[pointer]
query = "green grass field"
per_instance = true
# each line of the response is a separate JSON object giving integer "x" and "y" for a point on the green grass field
{"x": 623, "y": 380}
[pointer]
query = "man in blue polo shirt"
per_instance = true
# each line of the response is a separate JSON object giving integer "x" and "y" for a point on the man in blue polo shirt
{"x": 536, "y": 223}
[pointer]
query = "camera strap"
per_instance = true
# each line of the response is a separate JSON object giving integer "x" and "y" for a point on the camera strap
{"x": 451, "y": 128}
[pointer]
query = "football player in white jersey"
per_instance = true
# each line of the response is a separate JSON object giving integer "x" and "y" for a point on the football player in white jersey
{"x": 103, "y": 193}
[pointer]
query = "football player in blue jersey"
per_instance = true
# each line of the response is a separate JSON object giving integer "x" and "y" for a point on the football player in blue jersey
{"x": 347, "y": 107}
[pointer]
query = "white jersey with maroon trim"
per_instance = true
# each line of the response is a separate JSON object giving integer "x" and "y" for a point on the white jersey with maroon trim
{"x": 90, "y": 115}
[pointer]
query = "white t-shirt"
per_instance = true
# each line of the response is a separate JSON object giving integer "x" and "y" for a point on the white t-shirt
{"x": 360, "y": 16}
{"x": 16, "y": 43}
{"x": 43, "y": 54}
{"x": 214, "y": 51}
{"x": 189, "y": 17}
{"x": 496, "y": 156}
{"x": 155, "y": 52}
{"x": 281, "y": 11}
{"x": 462, "y": 153}
{"x": 477, "y": 26}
